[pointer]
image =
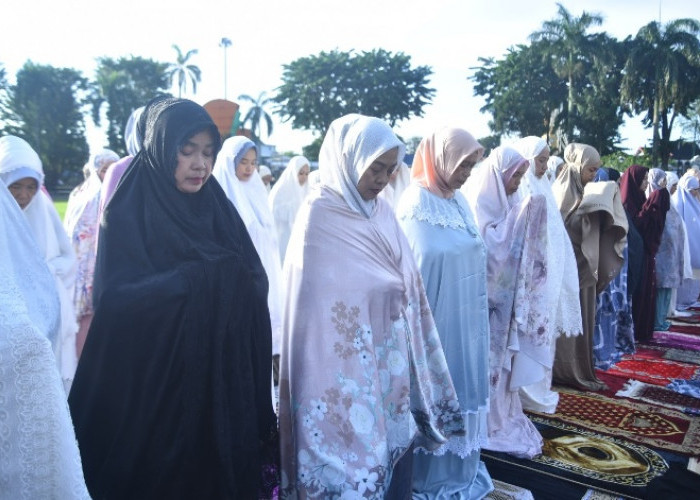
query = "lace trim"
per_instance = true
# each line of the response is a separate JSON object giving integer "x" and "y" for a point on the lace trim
{"x": 420, "y": 204}
{"x": 463, "y": 446}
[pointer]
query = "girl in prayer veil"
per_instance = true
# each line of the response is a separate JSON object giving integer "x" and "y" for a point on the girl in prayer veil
{"x": 452, "y": 258}
{"x": 687, "y": 205}
{"x": 562, "y": 284}
{"x": 515, "y": 234}
{"x": 286, "y": 197}
{"x": 21, "y": 168}
{"x": 172, "y": 394}
{"x": 596, "y": 223}
{"x": 362, "y": 373}
{"x": 235, "y": 171}
{"x": 39, "y": 457}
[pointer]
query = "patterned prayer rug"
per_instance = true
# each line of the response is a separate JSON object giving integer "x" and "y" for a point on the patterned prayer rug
{"x": 683, "y": 356}
{"x": 652, "y": 371}
{"x": 574, "y": 460}
{"x": 651, "y": 425}
{"x": 677, "y": 339}
{"x": 690, "y": 320}
{"x": 685, "y": 328}
{"x": 505, "y": 491}
{"x": 634, "y": 389}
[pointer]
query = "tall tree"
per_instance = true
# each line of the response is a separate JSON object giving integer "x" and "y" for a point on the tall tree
{"x": 44, "y": 108}
{"x": 522, "y": 92}
{"x": 125, "y": 84}
{"x": 567, "y": 41}
{"x": 318, "y": 89}
{"x": 662, "y": 77}
{"x": 182, "y": 71}
{"x": 257, "y": 115}
{"x": 599, "y": 115}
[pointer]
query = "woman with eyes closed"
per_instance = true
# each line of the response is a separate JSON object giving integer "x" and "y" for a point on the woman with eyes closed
{"x": 172, "y": 397}
{"x": 451, "y": 256}
{"x": 362, "y": 373}
{"x": 597, "y": 226}
{"x": 515, "y": 234}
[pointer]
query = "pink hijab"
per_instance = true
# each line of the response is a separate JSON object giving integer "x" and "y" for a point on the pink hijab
{"x": 439, "y": 155}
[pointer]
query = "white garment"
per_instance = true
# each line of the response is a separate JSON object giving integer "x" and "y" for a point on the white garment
{"x": 285, "y": 199}
{"x": 250, "y": 199}
{"x": 39, "y": 455}
{"x": 562, "y": 283}
{"x": 54, "y": 246}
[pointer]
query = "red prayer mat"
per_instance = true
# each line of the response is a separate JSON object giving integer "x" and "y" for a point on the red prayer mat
{"x": 691, "y": 320}
{"x": 652, "y": 425}
{"x": 634, "y": 389}
{"x": 641, "y": 366}
{"x": 687, "y": 329}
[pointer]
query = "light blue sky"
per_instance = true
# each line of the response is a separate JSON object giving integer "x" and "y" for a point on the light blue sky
{"x": 448, "y": 35}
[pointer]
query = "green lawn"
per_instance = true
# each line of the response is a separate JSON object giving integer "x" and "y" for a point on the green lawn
{"x": 60, "y": 207}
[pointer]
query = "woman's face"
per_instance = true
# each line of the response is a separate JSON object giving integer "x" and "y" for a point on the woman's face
{"x": 23, "y": 191}
{"x": 514, "y": 181}
{"x": 460, "y": 175}
{"x": 246, "y": 167}
{"x": 541, "y": 162}
{"x": 103, "y": 169}
{"x": 377, "y": 176}
{"x": 645, "y": 183}
{"x": 194, "y": 162}
{"x": 303, "y": 174}
{"x": 673, "y": 188}
{"x": 662, "y": 183}
{"x": 588, "y": 174}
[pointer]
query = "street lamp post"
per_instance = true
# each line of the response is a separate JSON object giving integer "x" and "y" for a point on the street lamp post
{"x": 225, "y": 43}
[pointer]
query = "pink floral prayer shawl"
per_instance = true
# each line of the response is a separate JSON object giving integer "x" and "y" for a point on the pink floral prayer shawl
{"x": 363, "y": 372}
{"x": 516, "y": 289}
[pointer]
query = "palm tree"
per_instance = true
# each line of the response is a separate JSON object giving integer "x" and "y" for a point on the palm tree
{"x": 256, "y": 115}
{"x": 182, "y": 71}
{"x": 567, "y": 43}
{"x": 662, "y": 76}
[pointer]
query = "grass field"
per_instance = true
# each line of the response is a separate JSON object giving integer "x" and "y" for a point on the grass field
{"x": 60, "y": 207}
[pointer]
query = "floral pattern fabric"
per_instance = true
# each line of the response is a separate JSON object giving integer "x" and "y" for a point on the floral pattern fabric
{"x": 363, "y": 372}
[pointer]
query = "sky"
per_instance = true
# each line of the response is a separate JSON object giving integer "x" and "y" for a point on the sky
{"x": 447, "y": 35}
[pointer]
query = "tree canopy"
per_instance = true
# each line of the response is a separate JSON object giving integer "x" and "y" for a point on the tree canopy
{"x": 523, "y": 94}
{"x": 44, "y": 108}
{"x": 125, "y": 84}
{"x": 662, "y": 77}
{"x": 320, "y": 88}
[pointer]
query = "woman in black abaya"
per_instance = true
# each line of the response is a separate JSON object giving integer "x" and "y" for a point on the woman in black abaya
{"x": 172, "y": 397}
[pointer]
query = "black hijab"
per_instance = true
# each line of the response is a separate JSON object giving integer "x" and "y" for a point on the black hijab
{"x": 172, "y": 398}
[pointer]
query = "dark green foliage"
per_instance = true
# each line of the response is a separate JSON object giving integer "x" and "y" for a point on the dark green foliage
{"x": 44, "y": 108}
{"x": 318, "y": 89}
{"x": 125, "y": 84}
